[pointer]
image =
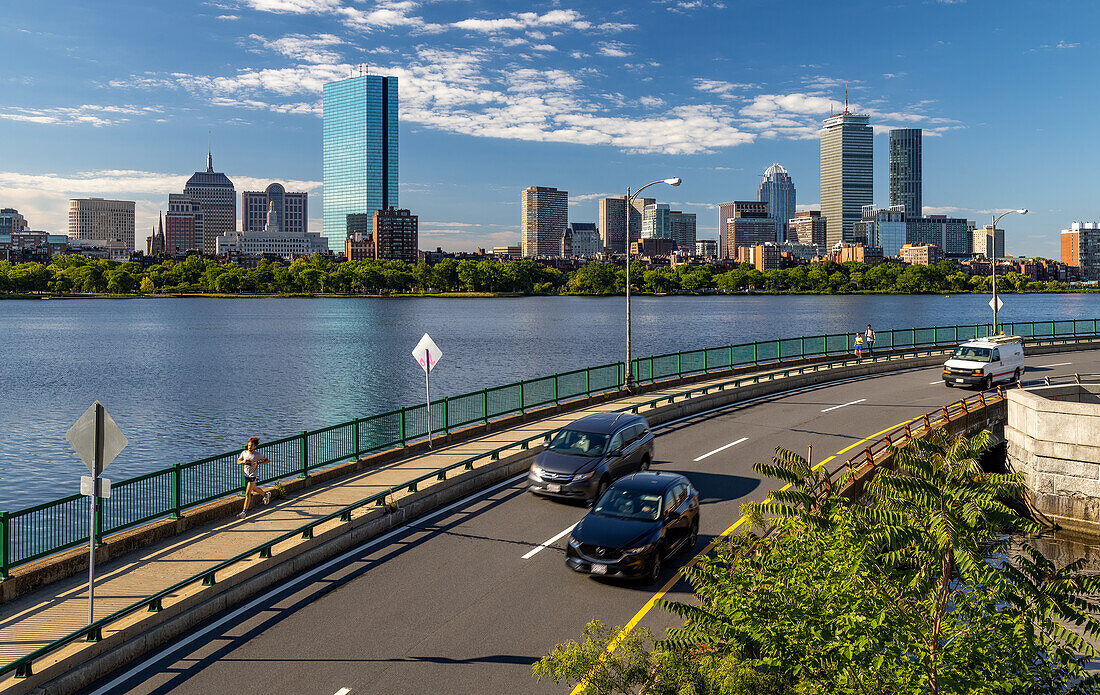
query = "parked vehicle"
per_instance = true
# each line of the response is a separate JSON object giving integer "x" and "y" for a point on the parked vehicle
{"x": 638, "y": 523}
{"x": 985, "y": 361}
{"x": 588, "y": 455}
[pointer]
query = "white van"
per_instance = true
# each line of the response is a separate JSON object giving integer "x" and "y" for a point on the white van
{"x": 985, "y": 361}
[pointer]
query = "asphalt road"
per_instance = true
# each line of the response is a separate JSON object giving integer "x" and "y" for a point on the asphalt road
{"x": 458, "y": 603}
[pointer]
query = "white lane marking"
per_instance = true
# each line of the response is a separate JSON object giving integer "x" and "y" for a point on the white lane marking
{"x": 343, "y": 691}
{"x": 1060, "y": 364}
{"x": 933, "y": 383}
{"x": 531, "y": 553}
{"x": 721, "y": 448}
{"x": 844, "y": 404}
{"x": 112, "y": 687}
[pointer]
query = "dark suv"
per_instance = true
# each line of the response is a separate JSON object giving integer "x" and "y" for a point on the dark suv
{"x": 587, "y": 455}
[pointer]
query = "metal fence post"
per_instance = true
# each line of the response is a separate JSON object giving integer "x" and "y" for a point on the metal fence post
{"x": 755, "y": 353}
{"x": 555, "y": 388}
{"x": 177, "y": 490}
{"x": 825, "y": 344}
{"x": 587, "y": 383}
{"x": 303, "y": 454}
{"x": 679, "y": 370}
{"x": 100, "y": 507}
{"x": 913, "y": 336}
{"x": 521, "y": 395}
{"x": 956, "y": 334}
{"x": 706, "y": 359}
{"x": 355, "y": 448}
{"x": 401, "y": 426}
{"x": 5, "y": 545}
{"x": 485, "y": 406}
{"x": 446, "y": 419}
{"x": 731, "y": 356}
{"x": 802, "y": 347}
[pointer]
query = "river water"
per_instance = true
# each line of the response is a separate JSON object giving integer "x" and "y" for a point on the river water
{"x": 187, "y": 378}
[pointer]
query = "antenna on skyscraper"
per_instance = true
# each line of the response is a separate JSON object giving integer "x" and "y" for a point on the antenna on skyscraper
{"x": 845, "y": 96}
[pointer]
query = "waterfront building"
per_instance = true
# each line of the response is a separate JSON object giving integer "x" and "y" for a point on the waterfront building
{"x": 582, "y": 240}
{"x": 706, "y": 248}
{"x": 184, "y": 225}
{"x": 396, "y": 235}
{"x": 883, "y": 228}
{"x": 213, "y": 192}
{"x": 988, "y": 242}
{"x": 545, "y": 213}
{"x": 847, "y": 181}
{"x": 922, "y": 254}
{"x": 24, "y": 246}
{"x": 748, "y": 225}
{"x": 855, "y": 253}
{"x": 777, "y": 190}
{"x": 291, "y": 209}
{"x": 807, "y": 227}
{"x": 657, "y": 222}
{"x": 953, "y": 235}
{"x": 682, "y": 226}
{"x": 359, "y": 151}
{"x": 271, "y": 241}
{"x": 1081, "y": 248}
{"x": 11, "y": 221}
{"x": 905, "y": 170}
{"x": 96, "y": 219}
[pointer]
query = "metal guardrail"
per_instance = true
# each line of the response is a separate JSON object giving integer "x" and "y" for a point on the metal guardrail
{"x": 41, "y": 530}
{"x": 1078, "y": 379}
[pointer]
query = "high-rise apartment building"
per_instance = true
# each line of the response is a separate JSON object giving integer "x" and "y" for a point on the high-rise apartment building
{"x": 612, "y": 224}
{"x": 11, "y": 222}
{"x": 657, "y": 221}
{"x": 682, "y": 225}
{"x": 581, "y": 240}
{"x": 749, "y": 225}
{"x": 725, "y": 212}
{"x": 359, "y": 151}
{"x": 847, "y": 181}
{"x": 291, "y": 209}
{"x": 545, "y": 212}
{"x": 953, "y": 235}
{"x": 396, "y": 235}
{"x": 214, "y": 193}
{"x": 883, "y": 228}
{"x": 777, "y": 190}
{"x": 1081, "y": 248}
{"x": 988, "y": 242}
{"x": 185, "y": 226}
{"x": 807, "y": 227}
{"x": 905, "y": 170}
{"x": 96, "y": 219}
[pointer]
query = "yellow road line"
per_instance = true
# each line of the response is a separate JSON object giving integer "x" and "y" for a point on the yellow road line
{"x": 614, "y": 644}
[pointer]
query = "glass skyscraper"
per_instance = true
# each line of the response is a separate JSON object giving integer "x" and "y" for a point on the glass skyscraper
{"x": 777, "y": 190}
{"x": 905, "y": 170}
{"x": 359, "y": 152}
{"x": 847, "y": 183}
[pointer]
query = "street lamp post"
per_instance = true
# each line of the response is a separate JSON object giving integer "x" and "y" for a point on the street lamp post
{"x": 628, "y": 379}
{"x": 996, "y": 219}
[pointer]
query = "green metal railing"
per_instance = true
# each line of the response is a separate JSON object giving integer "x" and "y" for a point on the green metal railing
{"x": 41, "y": 530}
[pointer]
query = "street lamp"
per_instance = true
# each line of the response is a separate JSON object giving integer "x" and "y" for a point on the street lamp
{"x": 996, "y": 219}
{"x": 628, "y": 379}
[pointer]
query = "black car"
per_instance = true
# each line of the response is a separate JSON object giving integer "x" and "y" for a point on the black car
{"x": 588, "y": 454}
{"x": 638, "y": 523}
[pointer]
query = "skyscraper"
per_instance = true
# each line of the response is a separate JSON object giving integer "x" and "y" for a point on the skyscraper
{"x": 612, "y": 224}
{"x": 777, "y": 190}
{"x": 396, "y": 235}
{"x": 683, "y": 229}
{"x": 545, "y": 212}
{"x": 1081, "y": 247}
{"x": 213, "y": 192}
{"x": 185, "y": 225}
{"x": 808, "y": 227}
{"x": 96, "y": 219}
{"x": 657, "y": 221}
{"x": 748, "y": 225}
{"x": 847, "y": 182}
{"x": 359, "y": 151}
{"x": 905, "y": 170}
{"x": 291, "y": 209}
{"x": 11, "y": 221}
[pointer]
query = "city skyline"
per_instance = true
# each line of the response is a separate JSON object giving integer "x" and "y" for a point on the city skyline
{"x": 488, "y": 107}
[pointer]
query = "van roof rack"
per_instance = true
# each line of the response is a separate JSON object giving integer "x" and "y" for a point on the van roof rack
{"x": 1001, "y": 339}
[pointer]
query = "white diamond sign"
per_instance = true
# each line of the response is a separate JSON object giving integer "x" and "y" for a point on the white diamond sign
{"x": 1000, "y": 304}
{"x": 82, "y": 436}
{"x": 427, "y": 353}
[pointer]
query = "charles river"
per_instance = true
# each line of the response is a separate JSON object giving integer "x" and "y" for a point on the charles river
{"x": 187, "y": 378}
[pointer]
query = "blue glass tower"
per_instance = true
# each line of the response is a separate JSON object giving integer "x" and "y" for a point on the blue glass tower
{"x": 359, "y": 160}
{"x": 777, "y": 190}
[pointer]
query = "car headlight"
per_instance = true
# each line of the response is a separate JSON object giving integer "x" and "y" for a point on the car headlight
{"x": 976, "y": 373}
{"x": 536, "y": 471}
{"x": 639, "y": 549}
{"x": 583, "y": 476}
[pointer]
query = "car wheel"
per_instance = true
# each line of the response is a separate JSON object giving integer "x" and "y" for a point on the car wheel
{"x": 655, "y": 566}
{"x": 987, "y": 383}
{"x": 693, "y": 537}
{"x": 1016, "y": 376}
{"x": 948, "y": 384}
{"x": 645, "y": 463}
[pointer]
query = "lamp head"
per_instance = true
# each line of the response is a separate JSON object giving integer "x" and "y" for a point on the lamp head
{"x": 674, "y": 181}
{"x": 1022, "y": 212}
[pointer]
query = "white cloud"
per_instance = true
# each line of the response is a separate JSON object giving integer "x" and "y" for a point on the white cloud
{"x": 651, "y": 102}
{"x": 721, "y": 87}
{"x": 229, "y": 17}
{"x": 308, "y": 49}
{"x": 545, "y": 47}
{"x": 96, "y": 115}
{"x": 526, "y": 20}
{"x": 613, "y": 49}
{"x": 293, "y": 6}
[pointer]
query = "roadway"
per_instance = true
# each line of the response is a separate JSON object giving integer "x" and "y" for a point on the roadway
{"x": 465, "y": 600}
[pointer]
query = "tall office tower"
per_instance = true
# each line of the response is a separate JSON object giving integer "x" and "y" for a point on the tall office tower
{"x": 748, "y": 226}
{"x": 185, "y": 225}
{"x": 883, "y": 228}
{"x": 359, "y": 152}
{"x": 777, "y": 190}
{"x": 612, "y": 224}
{"x": 214, "y": 193}
{"x": 725, "y": 213}
{"x": 581, "y": 240}
{"x": 396, "y": 235}
{"x": 905, "y": 170}
{"x": 683, "y": 229}
{"x": 847, "y": 181}
{"x": 291, "y": 210}
{"x": 545, "y": 213}
{"x": 1081, "y": 248}
{"x": 11, "y": 221}
{"x": 657, "y": 222}
{"x": 103, "y": 220}
{"x": 988, "y": 242}
{"x": 807, "y": 227}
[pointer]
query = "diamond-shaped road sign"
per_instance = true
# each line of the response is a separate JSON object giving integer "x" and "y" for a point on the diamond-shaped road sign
{"x": 82, "y": 436}
{"x": 427, "y": 353}
{"x": 1000, "y": 304}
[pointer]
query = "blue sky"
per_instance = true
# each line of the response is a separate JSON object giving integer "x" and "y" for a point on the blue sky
{"x": 117, "y": 98}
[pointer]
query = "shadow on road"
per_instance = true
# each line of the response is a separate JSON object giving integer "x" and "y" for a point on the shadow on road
{"x": 719, "y": 487}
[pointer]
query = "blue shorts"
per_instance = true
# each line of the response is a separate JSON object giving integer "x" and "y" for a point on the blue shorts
{"x": 250, "y": 479}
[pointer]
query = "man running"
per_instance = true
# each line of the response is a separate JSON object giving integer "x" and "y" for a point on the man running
{"x": 248, "y": 461}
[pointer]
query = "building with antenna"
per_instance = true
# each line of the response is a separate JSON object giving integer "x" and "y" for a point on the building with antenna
{"x": 216, "y": 198}
{"x": 777, "y": 190}
{"x": 847, "y": 176}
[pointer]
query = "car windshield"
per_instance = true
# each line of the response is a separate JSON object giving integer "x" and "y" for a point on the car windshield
{"x": 629, "y": 504}
{"x": 974, "y": 354}
{"x": 577, "y": 443}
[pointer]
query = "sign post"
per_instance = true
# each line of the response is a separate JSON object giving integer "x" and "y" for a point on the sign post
{"x": 97, "y": 440}
{"x": 427, "y": 354}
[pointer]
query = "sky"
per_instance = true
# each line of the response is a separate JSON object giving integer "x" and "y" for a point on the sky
{"x": 120, "y": 99}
